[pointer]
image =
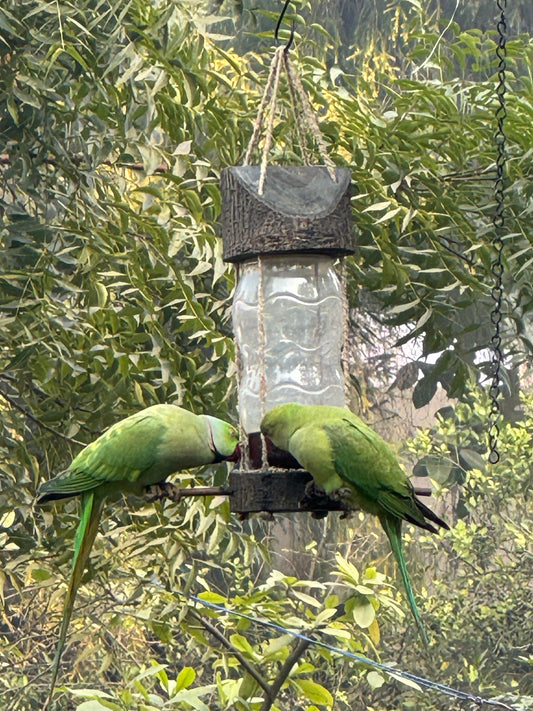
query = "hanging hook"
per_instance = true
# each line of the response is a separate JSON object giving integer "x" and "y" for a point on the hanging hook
{"x": 280, "y": 20}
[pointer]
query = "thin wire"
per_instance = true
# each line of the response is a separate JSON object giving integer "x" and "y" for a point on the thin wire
{"x": 346, "y": 333}
{"x": 244, "y": 460}
{"x": 421, "y": 681}
{"x": 498, "y": 222}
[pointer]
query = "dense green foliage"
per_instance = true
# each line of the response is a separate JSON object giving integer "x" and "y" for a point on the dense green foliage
{"x": 115, "y": 121}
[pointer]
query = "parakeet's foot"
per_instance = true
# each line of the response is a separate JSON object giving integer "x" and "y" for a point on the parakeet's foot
{"x": 312, "y": 491}
{"x": 164, "y": 490}
{"x": 314, "y": 499}
{"x": 348, "y": 513}
{"x": 342, "y": 496}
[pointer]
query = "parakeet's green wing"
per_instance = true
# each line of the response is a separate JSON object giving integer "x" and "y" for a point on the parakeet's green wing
{"x": 120, "y": 454}
{"x": 365, "y": 461}
{"x": 124, "y": 450}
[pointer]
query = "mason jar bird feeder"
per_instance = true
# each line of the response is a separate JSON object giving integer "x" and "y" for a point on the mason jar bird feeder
{"x": 289, "y": 311}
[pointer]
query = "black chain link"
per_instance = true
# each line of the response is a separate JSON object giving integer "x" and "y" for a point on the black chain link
{"x": 498, "y": 222}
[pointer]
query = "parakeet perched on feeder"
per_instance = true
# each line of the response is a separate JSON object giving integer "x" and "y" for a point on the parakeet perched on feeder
{"x": 348, "y": 459}
{"x": 137, "y": 452}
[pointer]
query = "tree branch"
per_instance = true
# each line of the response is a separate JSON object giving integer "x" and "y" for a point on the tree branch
{"x": 252, "y": 671}
{"x": 36, "y": 420}
{"x": 45, "y": 396}
{"x": 78, "y": 159}
{"x": 284, "y": 672}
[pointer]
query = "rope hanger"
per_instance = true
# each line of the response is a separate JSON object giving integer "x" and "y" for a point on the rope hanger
{"x": 304, "y": 115}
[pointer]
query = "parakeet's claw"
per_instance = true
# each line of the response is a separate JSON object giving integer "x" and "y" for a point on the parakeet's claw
{"x": 312, "y": 491}
{"x": 342, "y": 497}
{"x": 163, "y": 490}
{"x": 348, "y": 513}
{"x": 313, "y": 499}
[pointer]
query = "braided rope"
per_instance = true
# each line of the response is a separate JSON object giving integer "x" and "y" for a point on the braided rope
{"x": 310, "y": 117}
{"x": 262, "y": 353}
{"x": 270, "y": 126}
{"x": 304, "y": 114}
{"x": 346, "y": 333}
{"x": 258, "y": 123}
{"x": 298, "y": 111}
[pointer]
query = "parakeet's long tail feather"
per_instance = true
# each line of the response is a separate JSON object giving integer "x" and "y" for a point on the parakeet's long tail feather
{"x": 91, "y": 510}
{"x": 393, "y": 528}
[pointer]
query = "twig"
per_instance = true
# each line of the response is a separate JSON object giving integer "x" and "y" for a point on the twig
{"x": 415, "y": 71}
{"x": 252, "y": 671}
{"x": 166, "y": 490}
{"x": 78, "y": 159}
{"x": 36, "y": 420}
{"x": 44, "y": 395}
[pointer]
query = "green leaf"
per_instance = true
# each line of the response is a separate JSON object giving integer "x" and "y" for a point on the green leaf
{"x": 375, "y": 679}
{"x": 363, "y": 612}
{"x": 94, "y": 705}
{"x": 7, "y": 519}
{"x": 313, "y": 692}
{"x": 434, "y": 466}
{"x": 185, "y": 678}
{"x": 424, "y": 391}
{"x": 407, "y": 682}
{"x": 241, "y": 643}
{"x": 470, "y": 459}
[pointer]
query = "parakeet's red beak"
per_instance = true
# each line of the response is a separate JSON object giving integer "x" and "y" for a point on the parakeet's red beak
{"x": 235, "y": 456}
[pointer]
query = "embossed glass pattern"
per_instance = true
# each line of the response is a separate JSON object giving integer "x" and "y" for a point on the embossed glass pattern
{"x": 303, "y": 321}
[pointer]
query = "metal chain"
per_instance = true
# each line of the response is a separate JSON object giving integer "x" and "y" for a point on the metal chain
{"x": 498, "y": 222}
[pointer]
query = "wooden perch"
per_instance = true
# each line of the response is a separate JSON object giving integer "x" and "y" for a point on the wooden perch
{"x": 269, "y": 491}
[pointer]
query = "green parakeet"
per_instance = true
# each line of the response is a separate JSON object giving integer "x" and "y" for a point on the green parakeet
{"x": 140, "y": 451}
{"x": 347, "y": 458}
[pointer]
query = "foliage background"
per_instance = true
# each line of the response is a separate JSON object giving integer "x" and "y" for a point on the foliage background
{"x": 115, "y": 122}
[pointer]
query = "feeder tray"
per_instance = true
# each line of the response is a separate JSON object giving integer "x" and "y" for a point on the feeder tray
{"x": 274, "y": 491}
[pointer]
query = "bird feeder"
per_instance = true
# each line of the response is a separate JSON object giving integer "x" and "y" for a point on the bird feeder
{"x": 289, "y": 312}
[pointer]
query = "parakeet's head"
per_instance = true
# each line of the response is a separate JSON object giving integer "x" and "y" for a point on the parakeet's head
{"x": 280, "y": 423}
{"x": 224, "y": 439}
